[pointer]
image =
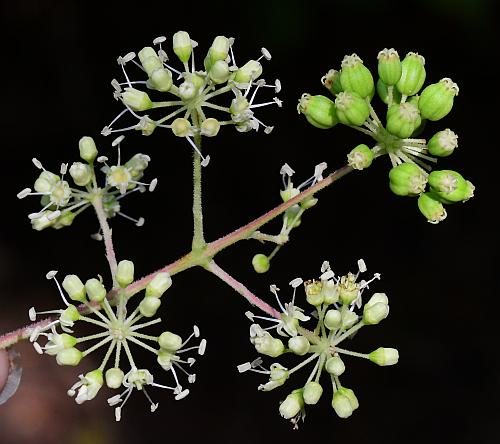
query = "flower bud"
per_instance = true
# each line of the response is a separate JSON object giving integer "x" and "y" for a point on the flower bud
{"x": 181, "y": 127}
{"x": 344, "y": 402}
{"x": 384, "y": 356}
{"x": 291, "y": 216}
{"x": 314, "y": 296}
{"x": 331, "y": 80}
{"x": 161, "y": 80}
{"x": 165, "y": 359}
{"x": 292, "y": 405}
{"x": 349, "y": 318}
{"x": 299, "y": 345}
{"x": 261, "y": 263}
{"x": 360, "y": 157}
{"x": 125, "y": 273}
{"x": 376, "y": 298}
{"x": 330, "y": 292}
{"x": 69, "y": 316}
{"x": 149, "y": 60}
{"x": 210, "y": 127}
{"x": 95, "y": 290}
{"x": 383, "y": 93}
{"x": 69, "y": 356}
{"x": 333, "y": 319}
{"x": 335, "y": 366}
{"x": 80, "y": 173}
{"x": 431, "y": 208}
{"x": 149, "y": 305}
{"x": 443, "y": 143}
{"x": 308, "y": 202}
{"x": 375, "y": 313}
{"x": 45, "y": 182}
{"x": 40, "y": 223}
{"x": 159, "y": 285}
{"x": 182, "y": 46}
{"x": 64, "y": 220}
{"x": 436, "y": 100}
{"x": 187, "y": 90}
{"x": 146, "y": 126}
{"x": 356, "y": 77}
{"x": 412, "y": 74}
{"x": 136, "y": 100}
{"x": 352, "y": 109}
{"x": 219, "y": 72}
{"x": 289, "y": 193}
{"x": 74, "y": 287}
{"x": 170, "y": 341}
{"x": 218, "y": 51}
{"x": 88, "y": 150}
{"x": 403, "y": 119}
{"x": 93, "y": 382}
{"x": 407, "y": 179}
{"x": 312, "y": 392}
{"x": 248, "y": 72}
{"x": 389, "y": 66}
{"x": 137, "y": 164}
{"x": 319, "y": 111}
{"x": 114, "y": 377}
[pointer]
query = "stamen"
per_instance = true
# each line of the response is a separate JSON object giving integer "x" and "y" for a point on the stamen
{"x": 205, "y": 160}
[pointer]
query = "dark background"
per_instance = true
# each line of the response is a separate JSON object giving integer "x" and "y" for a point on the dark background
{"x": 58, "y": 60}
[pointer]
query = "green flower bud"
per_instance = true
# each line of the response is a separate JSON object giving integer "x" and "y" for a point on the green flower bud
{"x": 376, "y": 298}
{"x": 449, "y": 185}
{"x": 412, "y": 74}
{"x": 292, "y": 405}
{"x": 352, "y": 109}
{"x": 375, "y": 313}
{"x": 69, "y": 356}
{"x": 308, "y": 202}
{"x": 360, "y": 157}
{"x": 407, "y": 179}
{"x": 159, "y": 285}
{"x": 349, "y": 318}
{"x": 319, "y": 111}
{"x": 443, "y": 143}
{"x": 261, "y": 263}
{"x": 333, "y": 319}
{"x": 74, "y": 287}
{"x": 137, "y": 164}
{"x": 88, "y": 150}
{"x": 95, "y": 290}
{"x": 149, "y": 305}
{"x": 146, "y": 126}
{"x": 344, "y": 402}
{"x": 187, "y": 90}
{"x": 46, "y": 181}
{"x": 210, "y": 127}
{"x": 125, "y": 273}
{"x": 331, "y": 80}
{"x": 219, "y": 50}
{"x": 403, "y": 119}
{"x": 312, "y": 392}
{"x": 384, "y": 356}
{"x": 69, "y": 316}
{"x": 59, "y": 342}
{"x": 335, "y": 366}
{"x": 275, "y": 348}
{"x": 182, "y": 46}
{"x": 314, "y": 296}
{"x": 248, "y": 72}
{"x": 136, "y": 100}
{"x": 299, "y": 345}
{"x": 161, "y": 80}
{"x": 149, "y": 60}
{"x": 181, "y": 127}
{"x": 436, "y": 100}
{"x": 383, "y": 93}
{"x": 330, "y": 292}
{"x": 114, "y": 378}
{"x": 81, "y": 173}
{"x": 219, "y": 72}
{"x": 64, "y": 220}
{"x": 165, "y": 359}
{"x": 356, "y": 77}
{"x": 431, "y": 208}
{"x": 389, "y": 66}
{"x": 170, "y": 341}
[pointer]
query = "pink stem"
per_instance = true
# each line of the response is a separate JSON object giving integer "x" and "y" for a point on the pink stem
{"x": 107, "y": 236}
{"x": 241, "y": 289}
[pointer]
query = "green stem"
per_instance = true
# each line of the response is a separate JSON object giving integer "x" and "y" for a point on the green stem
{"x": 198, "y": 237}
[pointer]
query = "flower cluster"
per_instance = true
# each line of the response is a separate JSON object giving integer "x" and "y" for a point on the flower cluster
{"x": 336, "y": 299}
{"x": 119, "y": 331}
{"x": 409, "y": 108}
{"x": 62, "y": 202}
{"x": 192, "y": 96}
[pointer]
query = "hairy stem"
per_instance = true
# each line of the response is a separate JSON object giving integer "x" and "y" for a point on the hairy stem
{"x": 198, "y": 237}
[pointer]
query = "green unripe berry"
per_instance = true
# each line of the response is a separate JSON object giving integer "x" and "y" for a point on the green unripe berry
{"x": 74, "y": 287}
{"x": 182, "y": 45}
{"x": 436, "y": 100}
{"x": 389, "y": 66}
{"x": 335, "y": 366}
{"x": 360, "y": 157}
{"x": 403, "y": 119}
{"x": 448, "y": 185}
{"x": 333, "y": 319}
{"x": 351, "y": 108}
{"x": 312, "y": 392}
{"x": 125, "y": 273}
{"x": 412, "y": 74}
{"x": 384, "y": 356}
{"x": 383, "y": 93}
{"x": 69, "y": 356}
{"x": 95, "y": 290}
{"x": 319, "y": 111}
{"x": 299, "y": 345}
{"x": 149, "y": 305}
{"x": 114, "y": 377}
{"x": 149, "y": 60}
{"x": 170, "y": 341}
{"x": 356, "y": 77}
{"x": 159, "y": 285}
{"x": 430, "y": 206}
{"x": 407, "y": 179}
{"x": 88, "y": 150}
{"x": 443, "y": 143}
{"x": 261, "y": 263}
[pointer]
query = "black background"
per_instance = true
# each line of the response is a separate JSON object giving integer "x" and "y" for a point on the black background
{"x": 58, "y": 59}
